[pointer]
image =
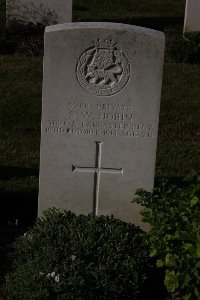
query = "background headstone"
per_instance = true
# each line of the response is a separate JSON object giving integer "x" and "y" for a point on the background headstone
{"x": 45, "y": 12}
{"x": 101, "y": 97}
{"x": 192, "y": 16}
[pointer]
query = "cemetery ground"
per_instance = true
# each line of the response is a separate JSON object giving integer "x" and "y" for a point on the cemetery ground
{"x": 178, "y": 151}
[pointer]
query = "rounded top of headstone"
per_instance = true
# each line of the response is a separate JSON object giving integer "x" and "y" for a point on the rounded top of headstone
{"x": 105, "y": 25}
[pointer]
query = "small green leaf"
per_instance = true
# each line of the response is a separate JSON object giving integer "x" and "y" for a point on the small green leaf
{"x": 171, "y": 281}
{"x": 194, "y": 201}
{"x": 187, "y": 297}
{"x": 159, "y": 263}
{"x": 184, "y": 218}
{"x": 153, "y": 252}
{"x": 170, "y": 260}
{"x": 187, "y": 246}
{"x": 167, "y": 237}
{"x": 197, "y": 292}
{"x": 198, "y": 251}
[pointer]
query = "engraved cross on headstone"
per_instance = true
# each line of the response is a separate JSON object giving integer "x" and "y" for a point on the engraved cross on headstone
{"x": 97, "y": 170}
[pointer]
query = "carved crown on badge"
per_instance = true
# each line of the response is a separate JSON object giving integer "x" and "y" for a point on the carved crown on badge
{"x": 105, "y": 44}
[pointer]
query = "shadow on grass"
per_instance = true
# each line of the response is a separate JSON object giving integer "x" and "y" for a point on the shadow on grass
{"x": 178, "y": 181}
{"x": 19, "y": 208}
{"x": 11, "y": 172}
{"x": 18, "y": 211}
{"x": 157, "y": 23}
{"x": 18, "y": 199}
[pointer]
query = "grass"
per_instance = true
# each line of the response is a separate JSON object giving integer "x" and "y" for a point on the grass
{"x": 157, "y": 14}
{"x": 126, "y": 10}
{"x": 179, "y": 131}
{"x": 20, "y": 109}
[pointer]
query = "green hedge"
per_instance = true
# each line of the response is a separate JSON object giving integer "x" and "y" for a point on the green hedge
{"x": 82, "y": 257}
{"x": 174, "y": 238}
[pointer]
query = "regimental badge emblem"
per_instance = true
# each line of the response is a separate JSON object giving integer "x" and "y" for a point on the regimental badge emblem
{"x": 103, "y": 69}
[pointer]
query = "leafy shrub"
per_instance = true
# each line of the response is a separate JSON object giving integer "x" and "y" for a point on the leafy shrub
{"x": 81, "y": 257}
{"x": 174, "y": 237}
{"x": 185, "y": 49}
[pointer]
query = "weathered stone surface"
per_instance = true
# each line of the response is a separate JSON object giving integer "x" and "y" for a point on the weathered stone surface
{"x": 192, "y": 16}
{"x": 45, "y": 12}
{"x": 101, "y": 98}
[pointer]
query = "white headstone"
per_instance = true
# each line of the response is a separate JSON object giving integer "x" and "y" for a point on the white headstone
{"x": 101, "y": 98}
{"x": 45, "y": 12}
{"x": 192, "y": 16}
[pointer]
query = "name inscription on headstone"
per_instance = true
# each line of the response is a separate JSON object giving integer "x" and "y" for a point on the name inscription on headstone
{"x": 99, "y": 120}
